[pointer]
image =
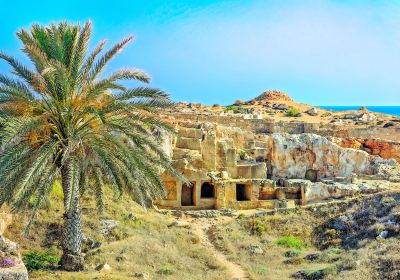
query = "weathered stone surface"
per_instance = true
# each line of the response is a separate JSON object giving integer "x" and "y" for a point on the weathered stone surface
{"x": 18, "y": 272}
{"x": 104, "y": 267}
{"x": 213, "y": 154}
{"x": 107, "y": 226}
{"x": 320, "y": 191}
{"x": 272, "y": 95}
{"x": 255, "y": 250}
{"x": 181, "y": 224}
{"x": 377, "y": 147}
{"x": 292, "y": 155}
{"x": 312, "y": 112}
{"x": 367, "y": 117}
{"x": 251, "y": 170}
{"x": 188, "y": 143}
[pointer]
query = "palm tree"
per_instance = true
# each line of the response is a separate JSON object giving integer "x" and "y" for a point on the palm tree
{"x": 62, "y": 119}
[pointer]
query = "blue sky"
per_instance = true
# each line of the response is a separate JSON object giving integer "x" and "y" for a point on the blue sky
{"x": 319, "y": 52}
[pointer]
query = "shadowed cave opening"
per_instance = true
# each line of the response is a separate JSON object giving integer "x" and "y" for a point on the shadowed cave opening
{"x": 242, "y": 192}
{"x": 207, "y": 190}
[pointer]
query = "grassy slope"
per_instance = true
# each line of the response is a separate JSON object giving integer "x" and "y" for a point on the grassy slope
{"x": 145, "y": 244}
{"x": 353, "y": 253}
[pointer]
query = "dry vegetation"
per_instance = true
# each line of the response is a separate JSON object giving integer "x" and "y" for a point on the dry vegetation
{"x": 142, "y": 242}
{"x": 332, "y": 241}
{"x": 331, "y": 250}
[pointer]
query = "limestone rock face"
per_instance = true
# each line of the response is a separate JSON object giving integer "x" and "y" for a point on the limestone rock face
{"x": 320, "y": 191}
{"x": 293, "y": 154}
{"x": 377, "y": 147}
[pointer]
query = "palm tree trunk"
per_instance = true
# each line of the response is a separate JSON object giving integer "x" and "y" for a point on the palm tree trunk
{"x": 72, "y": 259}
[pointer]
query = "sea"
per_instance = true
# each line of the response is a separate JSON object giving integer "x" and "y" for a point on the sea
{"x": 391, "y": 110}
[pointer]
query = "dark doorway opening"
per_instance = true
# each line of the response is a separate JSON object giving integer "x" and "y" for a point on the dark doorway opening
{"x": 207, "y": 190}
{"x": 187, "y": 195}
{"x": 242, "y": 192}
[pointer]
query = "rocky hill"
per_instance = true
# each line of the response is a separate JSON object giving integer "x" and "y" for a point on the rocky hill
{"x": 272, "y": 95}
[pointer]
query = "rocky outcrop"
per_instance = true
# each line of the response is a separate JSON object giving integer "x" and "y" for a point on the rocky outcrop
{"x": 377, "y": 147}
{"x": 272, "y": 95}
{"x": 318, "y": 191}
{"x": 312, "y": 112}
{"x": 293, "y": 154}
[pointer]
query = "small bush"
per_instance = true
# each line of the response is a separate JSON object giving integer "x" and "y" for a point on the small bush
{"x": 258, "y": 227}
{"x": 290, "y": 241}
{"x": 292, "y": 253}
{"x": 334, "y": 250}
{"x": 260, "y": 270}
{"x": 326, "y": 114}
{"x": 40, "y": 260}
{"x": 166, "y": 270}
{"x": 293, "y": 112}
{"x": 242, "y": 153}
{"x": 235, "y": 109}
{"x": 241, "y": 216}
{"x": 318, "y": 273}
{"x": 388, "y": 201}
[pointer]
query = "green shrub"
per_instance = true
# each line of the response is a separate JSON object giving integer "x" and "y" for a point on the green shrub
{"x": 293, "y": 112}
{"x": 258, "y": 227}
{"x": 166, "y": 270}
{"x": 292, "y": 253}
{"x": 316, "y": 274}
{"x": 242, "y": 153}
{"x": 334, "y": 250}
{"x": 326, "y": 114}
{"x": 40, "y": 260}
{"x": 235, "y": 109}
{"x": 241, "y": 216}
{"x": 290, "y": 241}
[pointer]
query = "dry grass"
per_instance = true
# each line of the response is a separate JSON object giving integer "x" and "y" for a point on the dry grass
{"x": 144, "y": 244}
{"x": 147, "y": 244}
{"x": 237, "y": 237}
{"x": 368, "y": 258}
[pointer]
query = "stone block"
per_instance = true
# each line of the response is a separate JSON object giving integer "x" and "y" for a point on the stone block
{"x": 188, "y": 143}
{"x": 252, "y": 170}
{"x": 190, "y": 133}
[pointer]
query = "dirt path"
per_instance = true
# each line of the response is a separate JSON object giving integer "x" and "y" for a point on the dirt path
{"x": 203, "y": 229}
